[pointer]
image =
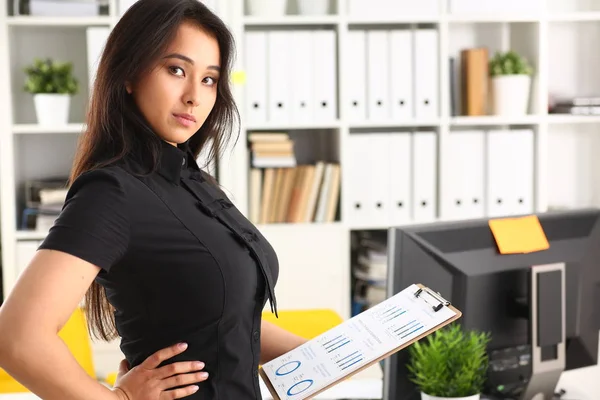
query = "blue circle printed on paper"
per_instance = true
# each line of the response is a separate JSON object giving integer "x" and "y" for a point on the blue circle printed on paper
{"x": 288, "y": 368}
{"x": 300, "y": 387}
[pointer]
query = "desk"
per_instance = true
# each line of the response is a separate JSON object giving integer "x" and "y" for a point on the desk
{"x": 365, "y": 385}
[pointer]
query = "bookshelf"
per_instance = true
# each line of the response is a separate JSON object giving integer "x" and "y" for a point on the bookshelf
{"x": 315, "y": 256}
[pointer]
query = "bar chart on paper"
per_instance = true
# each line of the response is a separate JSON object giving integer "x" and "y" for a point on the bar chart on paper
{"x": 353, "y": 344}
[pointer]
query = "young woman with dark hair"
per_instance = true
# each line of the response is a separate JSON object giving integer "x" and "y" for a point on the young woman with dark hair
{"x": 162, "y": 257}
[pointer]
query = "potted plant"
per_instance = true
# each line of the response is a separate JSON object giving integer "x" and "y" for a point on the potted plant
{"x": 52, "y": 85}
{"x": 511, "y": 82}
{"x": 450, "y": 364}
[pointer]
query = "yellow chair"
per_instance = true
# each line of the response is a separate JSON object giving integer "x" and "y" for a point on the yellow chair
{"x": 305, "y": 323}
{"x": 75, "y": 335}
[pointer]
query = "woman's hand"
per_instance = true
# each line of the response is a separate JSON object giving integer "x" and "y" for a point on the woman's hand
{"x": 148, "y": 382}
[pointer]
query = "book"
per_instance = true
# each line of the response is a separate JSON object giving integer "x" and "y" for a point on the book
{"x": 357, "y": 343}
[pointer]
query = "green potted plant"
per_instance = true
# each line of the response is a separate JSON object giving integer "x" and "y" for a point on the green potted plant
{"x": 52, "y": 84}
{"x": 451, "y": 363}
{"x": 511, "y": 82}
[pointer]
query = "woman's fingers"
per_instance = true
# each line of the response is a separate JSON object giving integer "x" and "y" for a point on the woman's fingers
{"x": 161, "y": 355}
{"x": 176, "y": 368}
{"x": 183, "y": 379}
{"x": 179, "y": 393}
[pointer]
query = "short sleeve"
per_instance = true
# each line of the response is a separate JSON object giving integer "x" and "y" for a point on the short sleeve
{"x": 94, "y": 221}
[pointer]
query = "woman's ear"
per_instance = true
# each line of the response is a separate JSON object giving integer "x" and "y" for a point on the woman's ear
{"x": 128, "y": 87}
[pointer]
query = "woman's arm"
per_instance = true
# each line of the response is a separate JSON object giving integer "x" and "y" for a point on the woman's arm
{"x": 42, "y": 301}
{"x": 276, "y": 341}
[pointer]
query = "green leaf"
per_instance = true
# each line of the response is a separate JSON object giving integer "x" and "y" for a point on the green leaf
{"x": 509, "y": 63}
{"x": 450, "y": 362}
{"x": 49, "y": 76}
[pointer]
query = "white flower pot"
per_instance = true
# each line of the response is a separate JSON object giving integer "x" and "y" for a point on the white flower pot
{"x": 425, "y": 396}
{"x": 313, "y": 7}
{"x": 52, "y": 109}
{"x": 510, "y": 94}
{"x": 267, "y": 8}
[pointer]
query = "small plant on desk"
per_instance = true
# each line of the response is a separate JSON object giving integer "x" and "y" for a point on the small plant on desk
{"x": 450, "y": 364}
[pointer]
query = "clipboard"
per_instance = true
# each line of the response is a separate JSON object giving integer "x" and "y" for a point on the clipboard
{"x": 303, "y": 382}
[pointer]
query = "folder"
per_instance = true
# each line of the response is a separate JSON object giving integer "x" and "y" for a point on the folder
{"x": 350, "y": 347}
{"x": 96, "y": 38}
{"x": 302, "y": 77}
{"x": 278, "y": 79}
{"x": 357, "y": 174}
{"x": 424, "y": 179}
{"x": 464, "y": 180}
{"x": 426, "y": 73}
{"x": 356, "y": 76}
{"x": 510, "y": 156}
{"x": 378, "y": 85}
{"x": 401, "y": 75}
{"x": 255, "y": 55}
{"x": 324, "y": 75}
{"x": 400, "y": 191}
{"x": 377, "y": 163}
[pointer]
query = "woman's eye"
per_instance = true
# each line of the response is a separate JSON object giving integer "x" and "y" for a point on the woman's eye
{"x": 210, "y": 80}
{"x": 177, "y": 71}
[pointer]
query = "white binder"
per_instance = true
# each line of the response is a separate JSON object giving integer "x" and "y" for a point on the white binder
{"x": 279, "y": 82}
{"x": 401, "y": 75}
{"x": 357, "y": 177}
{"x": 96, "y": 38}
{"x": 324, "y": 74}
{"x": 378, "y": 165}
{"x": 302, "y": 77}
{"x": 356, "y": 76}
{"x": 464, "y": 171}
{"x": 424, "y": 179}
{"x": 255, "y": 93}
{"x": 400, "y": 163}
{"x": 509, "y": 172}
{"x": 426, "y": 73}
{"x": 378, "y": 85}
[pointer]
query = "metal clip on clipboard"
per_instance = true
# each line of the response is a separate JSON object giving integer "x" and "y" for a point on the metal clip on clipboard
{"x": 442, "y": 302}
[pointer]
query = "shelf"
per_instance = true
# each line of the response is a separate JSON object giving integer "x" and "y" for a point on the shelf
{"x": 395, "y": 124}
{"x": 292, "y": 20}
{"x": 24, "y": 129}
{"x": 573, "y": 119}
{"x": 59, "y": 21}
{"x": 293, "y": 126}
{"x": 397, "y": 20}
{"x": 495, "y": 120}
{"x": 30, "y": 235}
{"x": 492, "y": 18}
{"x": 575, "y": 16}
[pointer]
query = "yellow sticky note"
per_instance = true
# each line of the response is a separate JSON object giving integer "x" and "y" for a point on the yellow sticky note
{"x": 238, "y": 77}
{"x": 519, "y": 235}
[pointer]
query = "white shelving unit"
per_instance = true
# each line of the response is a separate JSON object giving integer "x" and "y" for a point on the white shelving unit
{"x": 315, "y": 257}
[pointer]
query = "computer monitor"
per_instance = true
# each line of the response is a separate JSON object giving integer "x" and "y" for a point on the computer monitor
{"x": 541, "y": 308}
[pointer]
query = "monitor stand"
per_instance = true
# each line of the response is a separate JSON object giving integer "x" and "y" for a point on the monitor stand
{"x": 547, "y": 330}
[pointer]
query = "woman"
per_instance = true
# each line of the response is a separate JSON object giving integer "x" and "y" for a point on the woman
{"x": 160, "y": 253}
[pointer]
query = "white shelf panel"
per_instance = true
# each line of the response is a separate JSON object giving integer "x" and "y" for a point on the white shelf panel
{"x": 292, "y": 20}
{"x": 293, "y": 126}
{"x": 492, "y": 18}
{"x": 24, "y": 129}
{"x": 59, "y": 21}
{"x": 31, "y": 235}
{"x": 397, "y": 19}
{"x": 395, "y": 124}
{"x": 495, "y": 120}
{"x": 575, "y": 16}
{"x": 573, "y": 119}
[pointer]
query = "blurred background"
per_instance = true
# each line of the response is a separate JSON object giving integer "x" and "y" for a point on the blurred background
{"x": 340, "y": 100}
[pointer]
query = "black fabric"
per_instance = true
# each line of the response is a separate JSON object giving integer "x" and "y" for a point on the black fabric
{"x": 179, "y": 263}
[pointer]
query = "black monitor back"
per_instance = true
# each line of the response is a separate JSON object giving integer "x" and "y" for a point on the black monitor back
{"x": 461, "y": 261}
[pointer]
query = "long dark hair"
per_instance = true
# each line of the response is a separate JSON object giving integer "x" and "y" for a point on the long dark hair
{"x": 115, "y": 127}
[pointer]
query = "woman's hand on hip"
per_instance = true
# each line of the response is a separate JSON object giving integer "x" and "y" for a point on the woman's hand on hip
{"x": 148, "y": 382}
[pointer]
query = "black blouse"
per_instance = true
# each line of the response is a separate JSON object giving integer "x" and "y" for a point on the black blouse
{"x": 179, "y": 263}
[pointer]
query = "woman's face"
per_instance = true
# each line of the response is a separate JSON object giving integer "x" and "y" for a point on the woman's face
{"x": 178, "y": 94}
